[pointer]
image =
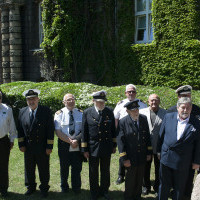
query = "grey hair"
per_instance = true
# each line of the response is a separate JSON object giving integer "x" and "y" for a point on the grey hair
{"x": 130, "y": 85}
{"x": 66, "y": 95}
{"x": 184, "y": 100}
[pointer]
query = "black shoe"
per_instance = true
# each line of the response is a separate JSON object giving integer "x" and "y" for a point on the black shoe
{"x": 120, "y": 180}
{"x": 29, "y": 192}
{"x": 106, "y": 196}
{"x": 65, "y": 190}
{"x": 4, "y": 193}
{"x": 44, "y": 194}
{"x": 145, "y": 191}
{"x": 77, "y": 191}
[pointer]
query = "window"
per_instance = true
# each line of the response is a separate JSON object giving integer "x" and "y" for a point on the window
{"x": 41, "y": 35}
{"x": 144, "y": 28}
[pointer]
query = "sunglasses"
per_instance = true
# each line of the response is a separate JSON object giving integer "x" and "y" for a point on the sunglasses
{"x": 131, "y": 92}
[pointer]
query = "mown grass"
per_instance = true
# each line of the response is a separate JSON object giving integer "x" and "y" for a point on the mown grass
{"x": 17, "y": 188}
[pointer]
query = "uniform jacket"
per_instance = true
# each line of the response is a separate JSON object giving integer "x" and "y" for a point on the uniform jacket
{"x": 179, "y": 154}
{"x": 98, "y": 134}
{"x": 40, "y": 135}
{"x": 132, "y": 146}
{"x": 154, "y": 130}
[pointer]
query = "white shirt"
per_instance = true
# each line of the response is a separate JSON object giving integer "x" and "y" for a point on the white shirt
{"x": 61, "y": 122}
{"x": 7, "y": 123}
{"x": 34, "y": 113}
{"x": 181, "y": 126}
{"x": 120, "y": 110}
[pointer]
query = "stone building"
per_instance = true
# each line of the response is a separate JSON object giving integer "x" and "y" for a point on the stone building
{"x": 19, "y": 40}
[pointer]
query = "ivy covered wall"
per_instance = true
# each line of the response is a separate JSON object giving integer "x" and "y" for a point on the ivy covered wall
{"x": 173, "y": 58}
{"x": 96, "y": 37}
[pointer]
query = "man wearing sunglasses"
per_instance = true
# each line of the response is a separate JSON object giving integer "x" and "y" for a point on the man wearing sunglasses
{"x": 119, "y": 113}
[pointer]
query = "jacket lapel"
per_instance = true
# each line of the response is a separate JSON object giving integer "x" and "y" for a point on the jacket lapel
{"x": 94, "y": 114}
{"x": 131, "y": 124}
{"x": 35, "y": 120}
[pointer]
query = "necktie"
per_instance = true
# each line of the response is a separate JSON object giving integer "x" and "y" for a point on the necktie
{"x": 136, "y": 126}
{"x": 71, "y": 123}
{"x": 32, "y": 116}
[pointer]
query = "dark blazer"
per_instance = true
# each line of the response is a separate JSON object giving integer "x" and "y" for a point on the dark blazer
{"x": 179, "y": 154}
{"x": 98, "y": 133}
{"x": 133, "y": 146}
{"x": 40, "y": 135}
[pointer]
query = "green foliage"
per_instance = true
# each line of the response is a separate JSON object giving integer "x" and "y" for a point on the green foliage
{"x": 173, "y": 59}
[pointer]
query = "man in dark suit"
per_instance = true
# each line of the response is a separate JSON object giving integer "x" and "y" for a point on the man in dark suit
{"x": 35, "y": 138}
{"x": 179, "y": 144}
{"x": 135, "y": 148}
{"x": 98, "y": 143}
{"x": 186, "y": 91}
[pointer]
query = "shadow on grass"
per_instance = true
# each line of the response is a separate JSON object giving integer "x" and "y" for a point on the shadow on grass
{"x": 52, "y": 195}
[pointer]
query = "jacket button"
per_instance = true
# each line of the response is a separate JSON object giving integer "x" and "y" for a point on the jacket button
{"x": 138, "y": 150}
{"x": 106, "y": 131}
{"x": 99, "y": 139}
{"x": 99, "y": 131}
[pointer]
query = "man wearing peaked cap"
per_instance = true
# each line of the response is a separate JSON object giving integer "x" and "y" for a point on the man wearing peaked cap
{"x": 134, "y": 147}
{"x": 98, "y": 143}
{"x": 35, "y": 139}
{"x": 186, "y": 91}
{"x": 119, "y": 113}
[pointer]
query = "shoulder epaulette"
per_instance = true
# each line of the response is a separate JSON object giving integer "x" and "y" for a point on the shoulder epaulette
{"x": 58, "y": 112}
{"x": 80, "y": 110}
{"x": 120, "y": 102}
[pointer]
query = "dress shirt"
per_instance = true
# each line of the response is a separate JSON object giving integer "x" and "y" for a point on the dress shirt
{"x": 35, "y": 111}
{"x": 7, "y": 123}
{"x": 61, "y": 122}
{"x": 181, "y": 126}
{"x": 120, "y": 110}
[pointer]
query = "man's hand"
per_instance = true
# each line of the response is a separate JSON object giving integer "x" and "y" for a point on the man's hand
{"x": 114, "y": 150}
{"x": 127, "y": 163}
{"x": 22, "y": 149}
{"x": 148, "y": 157}
{"x": 86, "y": 155}
{"x": 74, "y": 143}
{"x": 48, "y": 151}
{"x": 195, "y": 166}
{"x": 11, "y": 145}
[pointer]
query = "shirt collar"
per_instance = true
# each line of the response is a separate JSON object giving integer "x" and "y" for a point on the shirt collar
{"x": 183, "y": 121}
{"x": 34, "y": 110}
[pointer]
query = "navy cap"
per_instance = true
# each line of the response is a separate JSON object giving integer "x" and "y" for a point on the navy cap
{"x": 31, "y": 93}
{"x": 132, "y": 105}
{"x": 99, "y": 96}
{"x": 185, "y": 89}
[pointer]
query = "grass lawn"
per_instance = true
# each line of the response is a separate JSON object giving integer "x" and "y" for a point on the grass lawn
{"x": 17, "y": 188}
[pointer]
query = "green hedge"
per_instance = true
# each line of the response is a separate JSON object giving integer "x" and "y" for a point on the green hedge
{"x": 52, "y": 94}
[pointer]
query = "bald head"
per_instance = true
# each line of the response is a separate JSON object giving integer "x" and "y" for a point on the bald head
{"x": 154, "y": 102}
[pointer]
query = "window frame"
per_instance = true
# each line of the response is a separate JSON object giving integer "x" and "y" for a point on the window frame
{"x": 148, "y": 14}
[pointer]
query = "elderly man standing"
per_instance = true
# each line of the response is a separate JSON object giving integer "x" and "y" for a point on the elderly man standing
{"x": 119, "y": 113}
{"x": 154, "y": 115}
{"x": 35, "y": 138}
{"x": 179, "y": 144}
{"x": 98, "y": 143}
{"x": 135, "y": 148}
{"x": 186, "y": 91}
{"x": 7, "y": 135}
{"x": 68, "y": 129}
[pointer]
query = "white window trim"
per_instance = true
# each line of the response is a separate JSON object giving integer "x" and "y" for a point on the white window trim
{"x": 41, "y": 35}
{"x": 146, "y": 13}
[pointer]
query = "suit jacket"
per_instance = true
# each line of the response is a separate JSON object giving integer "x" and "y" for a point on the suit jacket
{"x": 98, "y": 133}
{"x": 179, "y": 154}
{"x": 133, "y": 146}
{"x": 38, "y": 136}
{"x": 154, "y": 130}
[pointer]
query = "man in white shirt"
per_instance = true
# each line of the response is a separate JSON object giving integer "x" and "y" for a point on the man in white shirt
{"x": 119, "y": 113}
{"x": 68, "y": 122}
{"x": 7, "y": 135}
{"x": 179, "y": 144}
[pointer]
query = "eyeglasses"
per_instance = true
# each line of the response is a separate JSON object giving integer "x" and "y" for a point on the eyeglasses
{"x": 131, "y": 92}
{"x": 69, "y": 100}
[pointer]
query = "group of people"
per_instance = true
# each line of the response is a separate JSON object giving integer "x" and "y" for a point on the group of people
{"x": 142, "y": 134}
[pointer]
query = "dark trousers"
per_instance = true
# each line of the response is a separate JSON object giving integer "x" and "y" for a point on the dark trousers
{"x": 147, "y": 181}
{"x": 104, "y": 161}
{"x": 4, "y": 159}
{"x": 68, "y": 159}
{"x": 189, "y": 183}
{"x": 121, "y": 172}
{"x": 171, "y": 178}
{"x": 133, "y": 182}
{"x": 42, "y": 162}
